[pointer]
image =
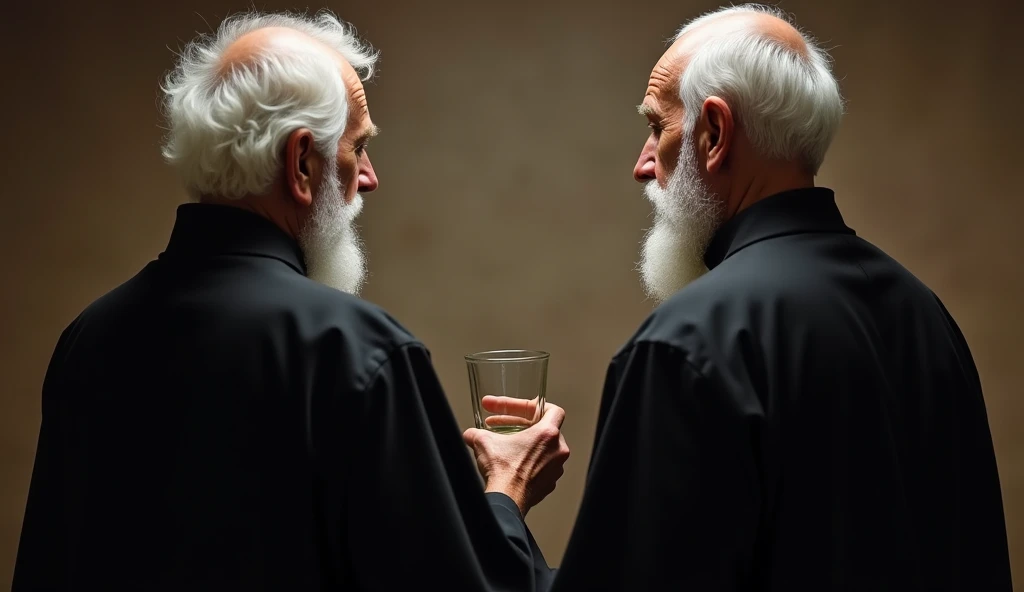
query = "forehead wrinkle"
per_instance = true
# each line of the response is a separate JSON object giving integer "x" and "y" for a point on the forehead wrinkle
{"x": 661, "y": 73}
{"x": 662, "y": 83}
{"x": 359, "y": 99}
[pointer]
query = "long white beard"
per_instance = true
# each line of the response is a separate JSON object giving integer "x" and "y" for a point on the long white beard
{"x": 686, "y": 216}
{"x": 330, "y": 242}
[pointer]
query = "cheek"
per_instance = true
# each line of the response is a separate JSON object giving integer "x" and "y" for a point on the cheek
{"x": 662, "y": 172}
{"x": 666, "y": 159}
{"x": 348, "y": 175}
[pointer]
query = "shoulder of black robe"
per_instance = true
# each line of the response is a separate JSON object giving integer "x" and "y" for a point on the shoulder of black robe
{"x": 222, "y": 422}
{"x": 430, "y": 509}
{"x": 805, "y": 416}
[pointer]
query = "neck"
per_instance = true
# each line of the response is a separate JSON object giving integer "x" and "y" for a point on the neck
{"x": 766, "y": 183}
{"x": 261, "y": 205}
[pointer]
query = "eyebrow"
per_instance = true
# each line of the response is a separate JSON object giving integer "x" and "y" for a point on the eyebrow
{"x": 645, "y": 110}
{"x": 370, "y": 132}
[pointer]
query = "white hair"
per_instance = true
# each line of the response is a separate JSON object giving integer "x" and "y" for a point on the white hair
{"x": 786, "y": 100}
{"x": 227, "y": 126}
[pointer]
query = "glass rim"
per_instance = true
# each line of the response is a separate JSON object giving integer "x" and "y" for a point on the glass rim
{"x": 523, "y": 355}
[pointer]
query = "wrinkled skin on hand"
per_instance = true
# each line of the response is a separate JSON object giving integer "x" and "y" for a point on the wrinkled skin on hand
{"x": 525, "y": 465}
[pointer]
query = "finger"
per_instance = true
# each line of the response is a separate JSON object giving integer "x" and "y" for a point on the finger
{"x": 510, "y": 406}
{"x": 507, "y": 420}
{"x": 553, "y": 415}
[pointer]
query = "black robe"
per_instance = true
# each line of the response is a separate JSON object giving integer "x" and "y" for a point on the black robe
{"x": 806, "y": 416}
{"x": 221, "y": 422}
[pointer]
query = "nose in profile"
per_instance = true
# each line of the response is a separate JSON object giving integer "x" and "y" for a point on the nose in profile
{"x": 367, "y": 178}
{"x": 644, "y": 169}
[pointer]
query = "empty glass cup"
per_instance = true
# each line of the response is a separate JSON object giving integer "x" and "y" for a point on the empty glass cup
{"x": 507, "y": 388}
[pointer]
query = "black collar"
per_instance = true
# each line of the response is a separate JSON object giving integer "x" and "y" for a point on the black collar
{"x": 792, "y": 212}
{"x": 208, "y": 229}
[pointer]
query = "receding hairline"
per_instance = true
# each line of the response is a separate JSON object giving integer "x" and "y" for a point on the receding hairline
{"x": 259, "y": 42}
{"x": 761, "y": 21}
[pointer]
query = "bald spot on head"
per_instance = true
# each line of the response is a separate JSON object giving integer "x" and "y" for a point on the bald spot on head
{"x": 248, "y": 47}
{"x": 669, "y": 68}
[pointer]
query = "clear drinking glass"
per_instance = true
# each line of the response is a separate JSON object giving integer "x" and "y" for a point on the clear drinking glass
{"x": 507, "y": 388}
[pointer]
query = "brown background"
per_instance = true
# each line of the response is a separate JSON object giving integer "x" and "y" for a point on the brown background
{"x": 506, "y": 215}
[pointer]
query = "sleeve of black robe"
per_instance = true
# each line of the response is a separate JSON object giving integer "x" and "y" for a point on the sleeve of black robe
{"x": 416, "y": 516}
{"x": 514, "y": 526}
{"x": 42, "y": 529}
{"x": 672, "y": 494}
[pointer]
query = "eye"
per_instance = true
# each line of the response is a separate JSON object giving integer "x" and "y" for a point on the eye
{"x": 360, "y": 149}
{"x": 655, "y": 128}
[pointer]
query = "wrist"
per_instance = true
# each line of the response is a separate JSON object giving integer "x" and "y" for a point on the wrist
{"x": 510, "y": 487}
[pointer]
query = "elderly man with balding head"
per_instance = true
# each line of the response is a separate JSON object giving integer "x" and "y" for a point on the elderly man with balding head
{"x": 800, "y": 412}
{"x": 233, "y": 417}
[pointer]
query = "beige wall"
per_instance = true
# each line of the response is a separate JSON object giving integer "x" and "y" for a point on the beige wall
{"x": 506, "y": 215}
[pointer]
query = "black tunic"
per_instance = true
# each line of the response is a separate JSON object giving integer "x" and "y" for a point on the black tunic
{"x": 806, "y": 416}
{"x": 222, "y": 422}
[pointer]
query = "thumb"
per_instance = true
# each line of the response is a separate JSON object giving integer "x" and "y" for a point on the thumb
{"x": 473, "y": 435}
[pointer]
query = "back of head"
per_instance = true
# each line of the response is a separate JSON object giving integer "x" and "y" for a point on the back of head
{"x": 783, "y": 94}
{"x": 228, "y": 121}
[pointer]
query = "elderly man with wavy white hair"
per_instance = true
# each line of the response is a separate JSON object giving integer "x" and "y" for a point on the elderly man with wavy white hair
{"x": 800, "y": 412}
{"x": 234, "y": 417}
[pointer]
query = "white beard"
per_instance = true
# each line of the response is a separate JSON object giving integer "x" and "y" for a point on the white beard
{"x": 686, "y": 216}
{"x": 330, "y": 242}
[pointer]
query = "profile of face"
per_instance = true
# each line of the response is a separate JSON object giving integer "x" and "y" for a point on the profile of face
{"x": 687, "y": 212}
{"x": 329, "y": 238}
{"x": 686, "y": 215}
